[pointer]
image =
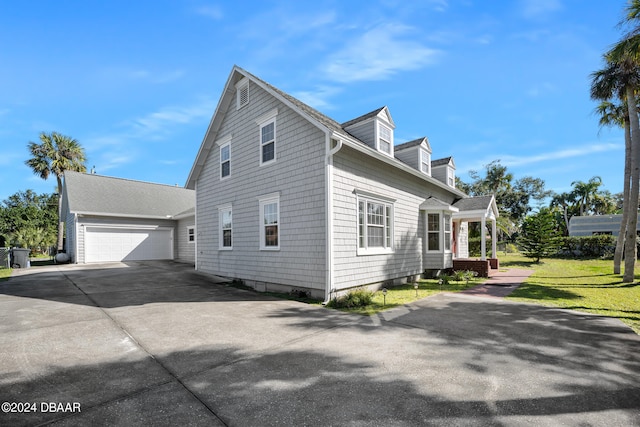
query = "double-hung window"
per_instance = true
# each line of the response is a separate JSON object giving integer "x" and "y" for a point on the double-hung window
{"x": 225, "y": 216}
{"x": 447, "y": 233}
{"x": 439, "y": 225}
{"x": 433, "y": 232}
{"x": 384, "y": 139}
{"x": 225, "y": 160}
{"x": 375, "y": 226}
{"x": 191, "y": 234}
{"x": 224, "y": 145}
{"x": 270, "y": 223}
{"x": 425, "y": 162}
{"x": 267, "y": 124}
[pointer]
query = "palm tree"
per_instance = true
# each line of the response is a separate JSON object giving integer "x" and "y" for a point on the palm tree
{"x": 624, "y": 57}
{"x": 618, "y": 115}
{"x": 620, "y": 78}
{"x": 585, "y": 193}
{"x": 56, "y": 154}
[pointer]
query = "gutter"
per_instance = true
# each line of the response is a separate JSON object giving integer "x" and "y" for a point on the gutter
{"x": 328, "y": 287}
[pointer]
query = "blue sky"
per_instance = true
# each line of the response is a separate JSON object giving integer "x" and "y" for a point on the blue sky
{"x": 136, "y": 82}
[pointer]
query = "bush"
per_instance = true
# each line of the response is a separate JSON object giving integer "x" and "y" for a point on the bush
{"x": 464, "y": 275}
{"x": 599, "y": 246}
{"x": 355, "y": 298}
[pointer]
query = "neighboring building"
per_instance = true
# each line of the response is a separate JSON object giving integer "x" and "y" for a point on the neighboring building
{"x": 596, "y": 224}
{"x": 113, "y": 219}
{"x": 288, "y": 198}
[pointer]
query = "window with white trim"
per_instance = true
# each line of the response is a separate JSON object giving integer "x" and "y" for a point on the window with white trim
{"x": 385, "y": 141}
{"x": 225, "y": 215}
{"x": 433, "y": 232}
{"x": 447, "y": 233}
{"x": 375, "y": 225}
{"x": 425, "y": 162}
{"x": 267, "y": 135}
{"x": 225, "y": 160}
{"x": 242, "y": 93}
{"x": 191, "y": 234}
{"x": 268, "y": 142}
{"x": 451, "y": 179}
{"x": 270, "y": 223}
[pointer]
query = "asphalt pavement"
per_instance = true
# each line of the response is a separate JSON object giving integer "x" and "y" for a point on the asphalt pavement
{"x": 154, "y": 343}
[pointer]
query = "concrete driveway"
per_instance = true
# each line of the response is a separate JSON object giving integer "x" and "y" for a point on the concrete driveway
{"x": 157, "y": 344}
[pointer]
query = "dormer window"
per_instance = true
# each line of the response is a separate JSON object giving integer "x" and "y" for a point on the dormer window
{"x": 242, "y": 93}
{"x": 385, "y": 140}
{"x": 425, "y": 162}
{"x": 451, "y": 179}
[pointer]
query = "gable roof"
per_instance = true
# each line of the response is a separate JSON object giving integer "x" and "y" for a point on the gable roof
{"x": 108, "y": 196}
{"x": 413, "y": 143}
{"x": 443, "y": 162}
{"x": 371, "y": 115}
{"x": 477, "y": 204}
{"x": 331, "y": 127}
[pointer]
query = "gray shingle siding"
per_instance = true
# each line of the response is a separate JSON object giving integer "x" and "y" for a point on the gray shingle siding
{"x": 297, "y": 175}
{"x": 365, "y": 132}
{"x": 410, "y": 156}
{"x": 186, "y": 250}
{"x": 356, "y": 172}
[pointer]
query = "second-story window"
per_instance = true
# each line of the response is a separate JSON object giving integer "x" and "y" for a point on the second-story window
{"x": 225, "y": 160}
{"x": 384, "y": 139}
{"x": 268, "y": 141}
{"x": 425, "y": 162}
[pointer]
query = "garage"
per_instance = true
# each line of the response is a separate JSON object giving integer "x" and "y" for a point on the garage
{"x": 104, "y": 244}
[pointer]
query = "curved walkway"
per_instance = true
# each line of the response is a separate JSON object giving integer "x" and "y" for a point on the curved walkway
{"x": 500, "y": 284}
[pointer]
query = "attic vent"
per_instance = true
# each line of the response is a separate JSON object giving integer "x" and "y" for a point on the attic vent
{"x": 242, "y": 95}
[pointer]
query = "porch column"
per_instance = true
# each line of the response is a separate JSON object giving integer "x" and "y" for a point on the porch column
{"x": 483, "y": 239}
{"x": 494, "y": 242}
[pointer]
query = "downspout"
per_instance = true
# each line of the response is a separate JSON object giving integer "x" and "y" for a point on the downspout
{"x": 196, "y": 230}
{"x": 328, "y": 287}
{"x": 75, "y": 238}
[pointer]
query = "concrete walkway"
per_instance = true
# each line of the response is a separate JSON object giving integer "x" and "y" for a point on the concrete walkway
{"x": 500, "y": 284}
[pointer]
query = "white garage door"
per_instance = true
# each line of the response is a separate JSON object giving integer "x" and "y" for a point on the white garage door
{"x": 104, "y": 244}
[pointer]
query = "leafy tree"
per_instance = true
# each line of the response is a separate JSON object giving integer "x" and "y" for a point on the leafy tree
{"x": 56, "y": 154}
{"x": 540, "y": 236}
{"x": 513, "y": 197}
{"x": 28, "y": 219}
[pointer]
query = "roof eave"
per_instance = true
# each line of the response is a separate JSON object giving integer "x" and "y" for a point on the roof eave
{"x": 397, "y": 163}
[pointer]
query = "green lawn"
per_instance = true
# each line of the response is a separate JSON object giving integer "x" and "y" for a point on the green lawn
{"x": 584, "y": 285}
{"x": 399, "y": 295}
{"x": 4, "y": 273}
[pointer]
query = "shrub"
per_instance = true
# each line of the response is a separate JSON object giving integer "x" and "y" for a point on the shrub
{"x": 355, "y": 298}
{"x": 601, "y": 246}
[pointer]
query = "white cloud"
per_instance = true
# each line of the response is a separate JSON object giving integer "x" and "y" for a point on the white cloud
{"x": 523, "y": 160}
{"x": 211, "y": 11}
{"x": 541, "y": 89}
{"x": 536, "y": 8}
{"x": 319, "y": 98}
{"x": 378, "y": 54}
{"x": 126, "y": 73}
{"x": 156, "y": 124}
